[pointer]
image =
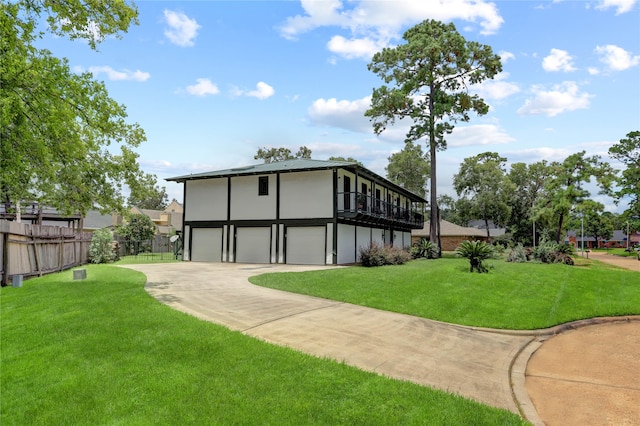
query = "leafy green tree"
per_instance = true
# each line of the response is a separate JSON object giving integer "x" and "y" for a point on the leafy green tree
{"x": 483, "y": 182}
{"x": 627, "y": 151}
{"x": 565, "y": 188}
{"x": 409, "y": 168}
{"x": 429, "y": 78}
{"x": 137, "y": 230}
{"x": 447, "y": 206}
{"x": 346, "y": 160}
{"x": 270, "y": 155}
{"x": 156, "y": 199}
{"x": 596, "y": 224}
{"x": 56, "y": 125}
{"x": 528, "y": 181}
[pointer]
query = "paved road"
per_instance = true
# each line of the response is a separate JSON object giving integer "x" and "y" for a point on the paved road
{"x": 630, "y": 263}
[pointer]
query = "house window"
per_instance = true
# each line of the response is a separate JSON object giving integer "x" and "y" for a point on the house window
{"x": 263, "y": 185}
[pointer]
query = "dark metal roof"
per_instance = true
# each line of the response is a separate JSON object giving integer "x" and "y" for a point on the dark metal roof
{"x": 295, "y": 165}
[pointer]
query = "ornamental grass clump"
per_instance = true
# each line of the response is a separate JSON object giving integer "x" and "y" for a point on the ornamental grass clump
{"x": 550, "y": 252}
{"x": 517, "y": 254}
{"x": 476, "y": 252}
{"x": 376, "y": 254}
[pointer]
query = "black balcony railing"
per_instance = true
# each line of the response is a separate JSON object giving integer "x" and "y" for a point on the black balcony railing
{"x": 369, "y": 209}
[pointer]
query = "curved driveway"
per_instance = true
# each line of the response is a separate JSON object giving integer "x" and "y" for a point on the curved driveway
{"x": 488, "y": 366}
{"x": 473, "y": 363}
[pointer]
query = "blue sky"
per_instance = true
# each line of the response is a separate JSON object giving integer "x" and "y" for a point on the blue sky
{"x": 212, "y": 81}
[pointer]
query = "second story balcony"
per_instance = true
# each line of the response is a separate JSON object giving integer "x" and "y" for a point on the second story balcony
{"x": 365, "y": 208}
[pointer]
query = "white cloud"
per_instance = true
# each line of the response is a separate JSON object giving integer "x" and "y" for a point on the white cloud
{"x": 621, "y": 6}
{"x": 498, "y": 88}
{"x": 558, "y": 60}
{"x": 373, "y": 24}
{"x": 203, "y": 87}
{"x": 263, "y": 91}
{"x": 181, "y": 29}
{"x": 537, "y": 154}
{"x": 506, "y": 56}
{"x": 616, "y": 58}
{"x": 125, "y": 74}
{"x": 354, "y": 48}
{"x": 348, "y": 115}
{"x": 562, "y": 98}
{"x": 479, "y": 134}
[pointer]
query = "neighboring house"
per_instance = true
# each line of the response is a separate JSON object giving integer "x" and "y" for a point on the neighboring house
{"x": 618, "y": 240}
{"x": 95, "y": 220}
{"x": 38, "y": 214}
{"x": 167, "y": 221}
{"x": 451, "y": 235}
{"x": 296, "y": 211}
{"x": 494, "y": 231}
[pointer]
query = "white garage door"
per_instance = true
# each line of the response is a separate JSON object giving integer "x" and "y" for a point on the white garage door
{"x": 306, "y": 245}
{"x": 206, "y": 244}
{"x": 253, "y": 245}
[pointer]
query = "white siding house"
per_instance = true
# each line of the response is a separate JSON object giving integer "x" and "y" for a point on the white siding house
{"x": 297, "y": 211}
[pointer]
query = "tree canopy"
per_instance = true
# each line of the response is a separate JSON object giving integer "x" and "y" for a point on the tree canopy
{"x": 346, "y": 160}
{"x": 627, "y": 151}
{"x": 155, "y": 198}
{"x": 483, "y": 182}
{"x": 409, "y": 168}
{"x": 60, "y": 130}
{"x": 565, "y": 188}
{"x": 270, "y": 155}
{"x": 429, "y": 78}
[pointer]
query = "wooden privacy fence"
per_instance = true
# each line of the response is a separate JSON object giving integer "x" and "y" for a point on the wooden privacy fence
{"x": 39, "y": 249}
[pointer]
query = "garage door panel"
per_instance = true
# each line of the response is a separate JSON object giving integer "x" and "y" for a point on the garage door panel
{"x": 206, "y": 244}
{"x": 253, "y": 245}
{"x": 306, "y": 245}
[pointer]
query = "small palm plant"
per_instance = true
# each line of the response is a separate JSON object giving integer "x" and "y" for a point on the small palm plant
{"x": 424, "y": 249}
{"x": 476, "y": 252}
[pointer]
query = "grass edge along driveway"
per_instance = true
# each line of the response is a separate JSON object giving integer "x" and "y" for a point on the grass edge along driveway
{"x": 102, "y": 351}
{"x": 522, "y": 296}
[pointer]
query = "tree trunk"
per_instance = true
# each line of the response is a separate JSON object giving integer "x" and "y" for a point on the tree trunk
{"x": 433, "y": 213}
{"x": 486, "y": 226}
{"x": 560, "y": 220}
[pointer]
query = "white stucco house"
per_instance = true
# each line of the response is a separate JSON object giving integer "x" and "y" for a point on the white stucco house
{"x": 296, "y": 211}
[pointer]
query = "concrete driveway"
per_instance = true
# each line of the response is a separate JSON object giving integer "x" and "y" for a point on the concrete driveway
{"x": 471, "y": 362}
{"x": 486, "y": 365}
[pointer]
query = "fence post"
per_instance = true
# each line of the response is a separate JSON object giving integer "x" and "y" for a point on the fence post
{"x": 5, "y": 259}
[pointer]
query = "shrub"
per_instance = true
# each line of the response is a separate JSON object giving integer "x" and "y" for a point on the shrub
{"x": 550, "y": 252}
{"x": 424, "y": 249}
{"x": 378, "y": 255}
{"x": 476, "y": 252}
{"x": 517, "y": 254}
{"x": 545, "y": 252}
{"x": 101, "y": 247}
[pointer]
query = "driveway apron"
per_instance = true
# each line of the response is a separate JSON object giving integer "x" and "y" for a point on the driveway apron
{"x": 474, "y": 363}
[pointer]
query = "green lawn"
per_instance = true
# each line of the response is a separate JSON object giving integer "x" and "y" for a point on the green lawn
{"x": 510, "y": 296}
{"x": 619, "y": 252}
{"x": 102, "y": 351}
